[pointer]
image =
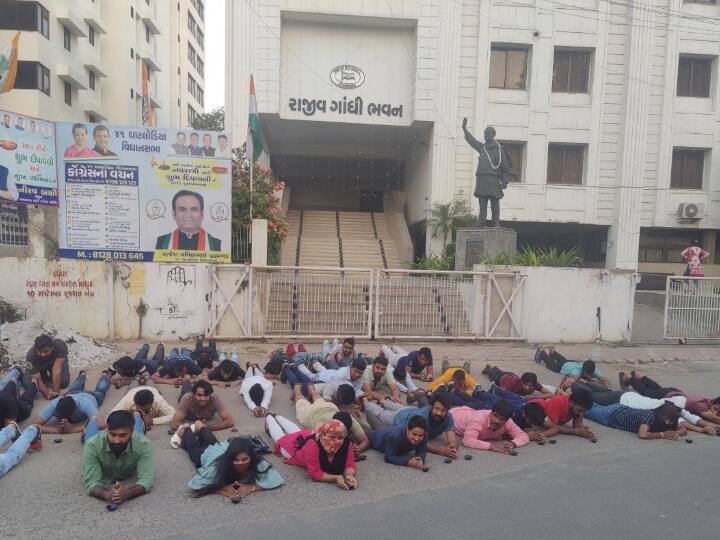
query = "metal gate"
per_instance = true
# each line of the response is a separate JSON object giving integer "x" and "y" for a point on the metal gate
{"x": 281, "y": 301}
{"x": 430, "y": 304}
{"x": 692, "y": 308}
{"x": 288, "y": 302}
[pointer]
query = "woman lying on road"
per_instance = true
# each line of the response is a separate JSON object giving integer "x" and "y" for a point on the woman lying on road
{"x": 660, "y": 423}
{"x": 230, "y": 468}
{"x": 326, "y": 453}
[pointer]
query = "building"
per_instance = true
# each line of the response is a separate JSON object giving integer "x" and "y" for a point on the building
{"x": 187, "y": 62}
{"x": 609, "y": 110}
{"x": 83, "y": 59}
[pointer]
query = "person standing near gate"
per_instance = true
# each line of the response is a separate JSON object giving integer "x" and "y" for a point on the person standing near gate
{"x": 694, "y": 255}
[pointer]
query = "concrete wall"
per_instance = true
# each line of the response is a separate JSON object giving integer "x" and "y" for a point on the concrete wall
{"x": 561, "y": 304}
{"x": 76, "y": 294}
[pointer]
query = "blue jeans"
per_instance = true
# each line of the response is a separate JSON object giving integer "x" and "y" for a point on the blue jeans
{"x": 295, "y": 376}
{"x": 601, "y": 414}
{"x": 92, "y": 428}
{"x": 19, "y": 448}
{"x": 11, "y": 376}
{"x": 103, "y": 385}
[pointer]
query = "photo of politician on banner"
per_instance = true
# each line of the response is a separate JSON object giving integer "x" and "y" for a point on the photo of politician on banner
{"x": 143, "y": 194}
{"x": 27, "y": 160}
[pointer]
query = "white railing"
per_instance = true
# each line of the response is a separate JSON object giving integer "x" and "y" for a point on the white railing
{"x": 692, "y": 308}
{"x": 311, "y": 302}
{"x": 462, "y": 305}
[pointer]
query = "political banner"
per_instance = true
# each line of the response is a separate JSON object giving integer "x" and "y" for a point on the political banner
{"x": 27, "y": 160}
{"x": 143, "y": 194}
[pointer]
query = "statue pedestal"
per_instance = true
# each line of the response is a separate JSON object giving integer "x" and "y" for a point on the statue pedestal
{"x": 472, "y": 245}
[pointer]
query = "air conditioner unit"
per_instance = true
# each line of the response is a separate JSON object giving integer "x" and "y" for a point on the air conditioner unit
{"x": 691, "y": 211}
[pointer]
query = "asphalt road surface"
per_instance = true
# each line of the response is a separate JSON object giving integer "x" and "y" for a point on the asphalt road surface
{"x": 621, "y": 487}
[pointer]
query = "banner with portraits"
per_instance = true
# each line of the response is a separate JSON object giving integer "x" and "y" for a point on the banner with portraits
{"x": 143, "y": 194}
{"x": 27, "y": 160}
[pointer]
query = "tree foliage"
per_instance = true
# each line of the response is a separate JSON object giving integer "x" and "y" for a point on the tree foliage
{"x": 265, "y": 198}
{"x": 211, "y": 121}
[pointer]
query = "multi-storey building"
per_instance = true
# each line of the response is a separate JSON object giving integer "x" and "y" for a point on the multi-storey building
{"x": 608, "y": 108}
{"x": 187, "y": 61}
{"x": 83, "y": 59}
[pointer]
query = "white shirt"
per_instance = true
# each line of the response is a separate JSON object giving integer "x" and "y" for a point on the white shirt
{"x": 341, "y": 375}
{"x": 161, "y": 411}
{"x": 636, "y": 401}
{"x": 248, "y": 383}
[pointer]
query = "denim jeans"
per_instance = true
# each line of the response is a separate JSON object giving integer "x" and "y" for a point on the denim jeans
{"x": 11, "y": 376}
{"x": 601, "y": 413}
{"x": 295, "y": 376}
{"x": 24, "y": 400}
{"x": 19, "y": 448}
{"x": 103, "y": 385}
{"x": 92, "y": 428}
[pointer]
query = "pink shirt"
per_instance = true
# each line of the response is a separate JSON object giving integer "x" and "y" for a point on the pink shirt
{"x": 695, "y": 256}
{"x": 474, "y": 427}
{"x": 309, "y": 455}
{"x": 74, "y": 152}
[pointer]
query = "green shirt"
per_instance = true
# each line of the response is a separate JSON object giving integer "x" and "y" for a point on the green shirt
{"x": 100, "y": 467}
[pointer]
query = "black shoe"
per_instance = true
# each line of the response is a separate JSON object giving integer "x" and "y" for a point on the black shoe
{"x": 283, "y": 375}
{"x": 466, "y": 367}
{"x": 486, "y": 369}
{"x": 445, "y": 365}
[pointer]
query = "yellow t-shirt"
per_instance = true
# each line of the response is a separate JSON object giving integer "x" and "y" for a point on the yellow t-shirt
{"x": 446, "y": 378}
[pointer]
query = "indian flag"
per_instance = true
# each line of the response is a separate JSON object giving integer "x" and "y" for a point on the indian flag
{"x": 8, "y": 65}
{"x": 255, "y": 144}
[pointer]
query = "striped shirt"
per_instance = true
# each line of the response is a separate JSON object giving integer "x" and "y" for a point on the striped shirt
{"x": 629, "y": 419}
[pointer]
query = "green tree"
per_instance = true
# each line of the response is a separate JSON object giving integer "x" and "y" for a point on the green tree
{"x": 211, "y": 121}
{"x": 441, "y": 222}
{"x": 265, "y": 199}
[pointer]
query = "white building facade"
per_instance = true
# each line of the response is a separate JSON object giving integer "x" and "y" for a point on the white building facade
{"x": 187, "y": 61}
{"x": 608, "y": 108}
{"x": 82, "y": 60}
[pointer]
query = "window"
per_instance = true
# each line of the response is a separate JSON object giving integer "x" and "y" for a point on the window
{"x": 201, "y": 68}
{"x": 44, "y": 21}
{"x": 26, "y": 16}
{"x": 192, "y": 85}
{"x": 516, "y": 151}
{"x": 192, "y": 116}
{"x": 91, "y": 79}
{"x": 91, "y": 35}
{"x": 565, "y": 164}
{"x": 571, "y": 71}
{"x": 68, "y": 93}
{"x": 33, "y": 76}
{"x": 663, "y": 245}
{"x": 147, "y": 33}
{"x": 201, "y": 96}
{"x": 708, "y": 2}
{"x": 508, "y": 68}
{"x": 132, "y": 12}
{"x": 67, "y": 39}
{"x": 688, "y": 165}
{"x": 92, "y": 118}
{"x": 192, "y": 55}
{"x": 192, "y": 25}
{"x": 694, "y": 76}
{"x": 13, "y": 225}
{"x": 201, "y": 39}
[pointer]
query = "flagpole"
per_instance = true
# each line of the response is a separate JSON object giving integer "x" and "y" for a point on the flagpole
{"x": 252, "y": 167}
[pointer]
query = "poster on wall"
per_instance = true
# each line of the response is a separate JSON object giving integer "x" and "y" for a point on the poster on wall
{"x": 27, "y": 160}
{"x": 143, "y": 194}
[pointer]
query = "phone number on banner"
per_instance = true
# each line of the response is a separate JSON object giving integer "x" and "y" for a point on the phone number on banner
{"x": 107, "y": 255}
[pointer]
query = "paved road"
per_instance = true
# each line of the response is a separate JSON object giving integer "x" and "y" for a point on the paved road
{"x": 620, "y": 487}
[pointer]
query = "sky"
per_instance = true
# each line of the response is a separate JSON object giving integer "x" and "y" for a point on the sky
{"x": 214, "y": 54}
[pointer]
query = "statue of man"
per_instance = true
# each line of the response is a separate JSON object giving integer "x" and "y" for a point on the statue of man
{"x": 494, "y": 166}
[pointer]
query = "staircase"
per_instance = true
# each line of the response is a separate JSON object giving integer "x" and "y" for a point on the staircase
{"x": 339, "y": 239}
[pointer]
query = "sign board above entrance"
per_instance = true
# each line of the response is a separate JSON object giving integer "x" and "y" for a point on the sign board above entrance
{"x": 348, "y": 74}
